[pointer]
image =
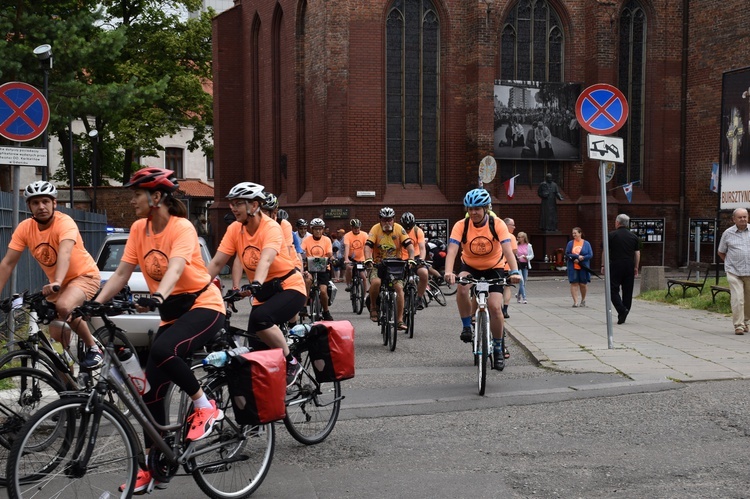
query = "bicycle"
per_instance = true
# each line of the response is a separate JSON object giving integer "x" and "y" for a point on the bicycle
{"x": 394, "y": 270}
{"x": 312, "y": 407}
{"x": 447, "y": 289}
{"x": 315, "y": 307}
{"x": 100, "y": 451}
{"x": 410, "y": 301}
{"x": 482, "y": 336}
{"x": 434, "y": 292}
{"x": 357, "y": 288}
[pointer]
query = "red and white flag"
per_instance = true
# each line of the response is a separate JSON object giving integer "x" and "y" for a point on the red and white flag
{"x": 510, "y": 186}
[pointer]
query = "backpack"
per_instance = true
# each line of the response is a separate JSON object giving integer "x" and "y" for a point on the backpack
{"x": 491, "y": 222}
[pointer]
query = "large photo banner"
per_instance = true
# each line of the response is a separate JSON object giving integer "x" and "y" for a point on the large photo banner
{"x": 536, "y": 121}
{"x": 734, "y": 185}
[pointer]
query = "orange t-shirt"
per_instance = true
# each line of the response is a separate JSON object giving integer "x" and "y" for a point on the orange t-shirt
{"x": 576, "y": 250}
{"x": 44, "y": 246}
{"x": 356, "y": 245}
{"x": 416, "y": 235}
{"x": 481, "y": 251}
{"x": 178, "y": 240}
{"x": 514, "y": 244}
{"x": 286, "y": 230}
{"x": 322, "y": 247}
{"x": 237, "y": 241}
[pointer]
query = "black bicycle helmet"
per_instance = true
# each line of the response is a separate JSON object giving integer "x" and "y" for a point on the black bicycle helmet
{"x": 408, "y": 220}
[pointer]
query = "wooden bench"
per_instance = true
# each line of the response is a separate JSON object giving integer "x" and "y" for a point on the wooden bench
{"x": 715, "y": 290}
{"x": 696, "y": 278}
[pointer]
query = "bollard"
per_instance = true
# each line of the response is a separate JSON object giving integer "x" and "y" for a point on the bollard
{"x": 652, "y": 278}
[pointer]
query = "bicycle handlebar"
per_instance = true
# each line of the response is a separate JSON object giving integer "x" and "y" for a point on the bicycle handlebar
{"x": 95, "y": 309}
{"x": 502, "y": 281}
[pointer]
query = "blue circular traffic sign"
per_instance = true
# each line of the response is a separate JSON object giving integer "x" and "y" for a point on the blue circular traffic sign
{"x": 601, "y": 109}
{"x": 24, "y": 112}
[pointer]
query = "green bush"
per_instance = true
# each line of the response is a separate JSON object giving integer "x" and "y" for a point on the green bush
{"x": 692, "y": 298}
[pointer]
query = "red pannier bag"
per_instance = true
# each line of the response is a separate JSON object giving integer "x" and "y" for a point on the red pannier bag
{"x": 332, "y": 350}
{"x": 257, "y": 386}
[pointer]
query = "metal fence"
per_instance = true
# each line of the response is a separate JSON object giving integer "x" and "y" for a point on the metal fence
{"x": 29, "y": 275}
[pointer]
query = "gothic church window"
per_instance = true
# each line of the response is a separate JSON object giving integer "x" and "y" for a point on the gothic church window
{"x": 532, "y": 48}
{"x": 632, "y": 83}
{"x": 412, "y": 92}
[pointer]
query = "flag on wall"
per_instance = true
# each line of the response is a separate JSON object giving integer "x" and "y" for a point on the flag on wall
{"x": 510, "y": 186}
{"x": 628, "y": 188}
{"x": 714, "y": 186}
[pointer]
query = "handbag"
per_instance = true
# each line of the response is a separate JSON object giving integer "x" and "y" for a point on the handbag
{"x": 175, "y": 306}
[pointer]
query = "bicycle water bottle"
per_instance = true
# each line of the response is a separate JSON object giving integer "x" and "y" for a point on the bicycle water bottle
{"x": 220, "y": 359}
{"x": 57, "y": 346}
{"x": 300, "y": 330}
{"x": 332, "y": 289}
{"x": 134, "y": 370}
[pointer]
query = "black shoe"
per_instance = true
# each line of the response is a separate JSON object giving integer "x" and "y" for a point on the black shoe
{"x": 348, "y": 288}
{"x": 498, "y": 360}
{"x": 466, "y": 336}
{"x": 621, "y": 318}
{"x": 327, "y": 315}
{"x": 505, "y": 312}
{"x": 420, "y": 303}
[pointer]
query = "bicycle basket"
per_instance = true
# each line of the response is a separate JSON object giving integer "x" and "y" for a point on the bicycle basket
{"x": 395, "y": 267}
{"x": 316, "y": 264}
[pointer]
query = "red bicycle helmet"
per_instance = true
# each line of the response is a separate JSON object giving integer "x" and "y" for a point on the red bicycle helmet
{"x": 154, "y": 179}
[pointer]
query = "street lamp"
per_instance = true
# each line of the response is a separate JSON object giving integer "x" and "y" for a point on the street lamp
{"x": 94, "y": 135}
{"x": 44, "y": 54}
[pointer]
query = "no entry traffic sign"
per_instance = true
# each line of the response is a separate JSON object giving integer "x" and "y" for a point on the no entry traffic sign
{"x": 601, "y": 109}
{"x": 24, "y": 112}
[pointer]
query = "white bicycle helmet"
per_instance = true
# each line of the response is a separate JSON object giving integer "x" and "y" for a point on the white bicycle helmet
{"x": 247, "y": 190}
{"x": 40, "y": 188}
{"x": 317, "y": 222}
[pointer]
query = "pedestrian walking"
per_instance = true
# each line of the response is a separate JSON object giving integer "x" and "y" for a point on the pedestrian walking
{"x": 734, "y": 249}
{"x": 624, "y": 259}
{"x": 578, "y": 254}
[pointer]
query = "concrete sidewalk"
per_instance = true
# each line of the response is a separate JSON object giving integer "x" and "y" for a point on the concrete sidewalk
{"x": 658, "y": 342}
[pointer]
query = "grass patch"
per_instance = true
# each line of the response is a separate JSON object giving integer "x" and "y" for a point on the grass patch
{"x": 693, "y": 299}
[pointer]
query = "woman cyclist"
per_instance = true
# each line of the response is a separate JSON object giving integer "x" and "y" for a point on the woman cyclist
{"x": 275, "y": 282}
{"x": 164, "y": 243}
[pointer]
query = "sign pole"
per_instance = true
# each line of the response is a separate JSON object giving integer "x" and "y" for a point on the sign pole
{"x": 605, "y": 255}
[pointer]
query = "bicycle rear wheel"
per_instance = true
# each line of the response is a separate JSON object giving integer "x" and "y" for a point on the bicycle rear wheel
{"x": 482, "y": 352}
{"x": 74, "y": 463}
{"x": 243, "y": 453}
{"x": 23, "y": 391}
{"x": 312, "y": 408}
{"x": 438, "y": 294}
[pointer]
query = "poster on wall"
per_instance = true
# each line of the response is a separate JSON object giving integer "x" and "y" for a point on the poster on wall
{"x": 536, "y": 120}
{"x": 734, "y": 184}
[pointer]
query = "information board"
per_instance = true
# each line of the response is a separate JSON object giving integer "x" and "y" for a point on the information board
{"x": 707, "y": 230}
{"x": 648, "y": 230}
{"x": 435, "y": 228}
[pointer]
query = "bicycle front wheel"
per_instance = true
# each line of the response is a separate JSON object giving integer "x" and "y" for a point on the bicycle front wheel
{"x": 240, "y": 455}
{"x": 392, "y": 323}
{"x": 483, "y": 351}
{"x": 448, "y": 289}
{"x": 316, "y": 309}
{"x": 23, "y": 391}
{"x": 410, "y": 309}
{"x": 93, "y": 457}
{"x": 38, "y": 360}
{"x": 312, "y": 408}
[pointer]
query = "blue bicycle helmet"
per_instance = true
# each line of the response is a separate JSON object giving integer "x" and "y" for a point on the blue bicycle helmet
{"x": 477, "y": 198}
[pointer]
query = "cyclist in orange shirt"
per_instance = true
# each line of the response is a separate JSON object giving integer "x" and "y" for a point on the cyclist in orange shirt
{"x": 354, "y": 251}
{"x": 484, "y": 248}
{"x": 416, "y": 234}
{"x": 164, "y": 243}
{"x": 55, "y": 242}
{"x": 385, "y": 240}
{"x": 276, "y": 285}
{"x": 319, "y": 246}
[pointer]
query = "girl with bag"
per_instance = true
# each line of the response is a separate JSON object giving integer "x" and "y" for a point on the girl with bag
{"x": 524, "y": 256}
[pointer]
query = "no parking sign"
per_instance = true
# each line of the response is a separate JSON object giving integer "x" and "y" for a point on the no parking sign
{"x": 24, "y": 112}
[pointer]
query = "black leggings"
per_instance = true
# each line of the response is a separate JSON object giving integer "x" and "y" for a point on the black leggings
{"x": 166, "y": 360}
{"x": 276, "y": 310}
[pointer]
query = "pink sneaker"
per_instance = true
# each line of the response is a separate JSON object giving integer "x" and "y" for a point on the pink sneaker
{"x": 142, "y": 481}
{"x": 202, "y": 421}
